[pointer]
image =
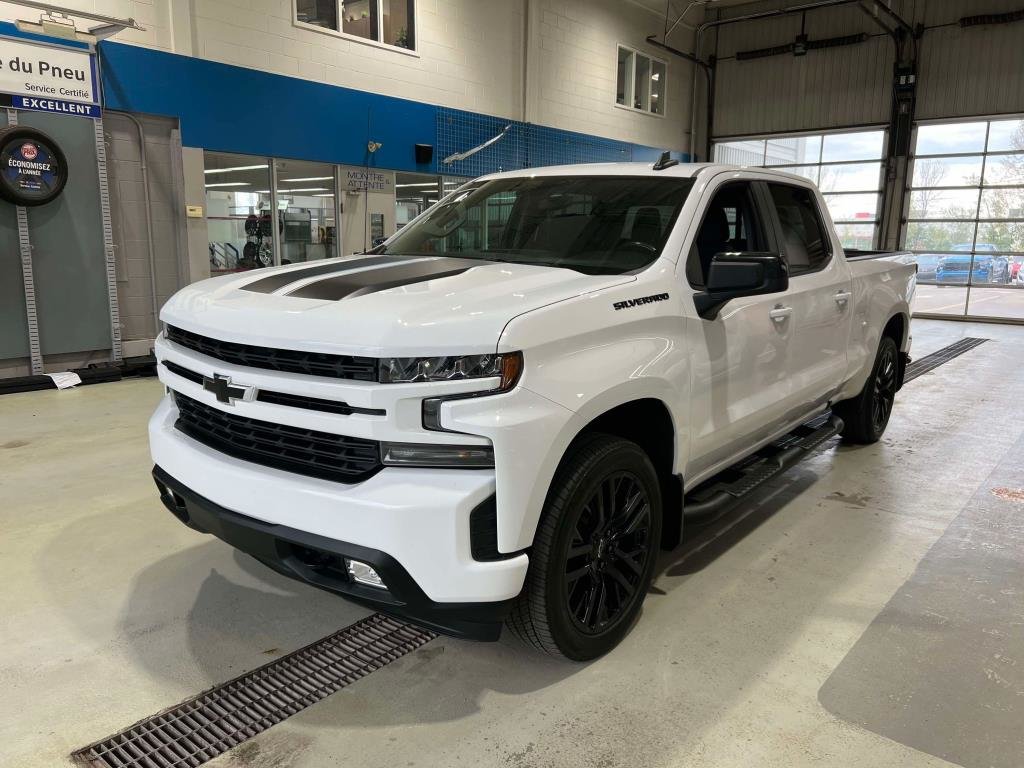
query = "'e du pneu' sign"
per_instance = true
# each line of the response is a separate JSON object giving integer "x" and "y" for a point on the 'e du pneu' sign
{"x": 27, "y": 69}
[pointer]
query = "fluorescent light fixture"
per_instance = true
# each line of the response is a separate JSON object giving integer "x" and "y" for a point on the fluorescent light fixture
{"x": 292, "y": 190}
{"x": 237, "y": 168}
{"x": 229, "y": 184}
{"x": 325, "y": 194}
{"x": 424, "y": 184}
{"x": 312, "y": 178}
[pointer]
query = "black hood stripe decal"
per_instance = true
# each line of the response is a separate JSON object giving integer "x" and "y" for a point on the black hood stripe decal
{"x": 351, "y": 285}
{"x": 281, "y": 279}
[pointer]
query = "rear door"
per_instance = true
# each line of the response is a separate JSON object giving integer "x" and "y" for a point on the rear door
{"x": 739, "y": 358}
{"x": 818, "y": 306}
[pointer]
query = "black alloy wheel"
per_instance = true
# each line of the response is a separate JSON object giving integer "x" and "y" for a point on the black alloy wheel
{"x": 607, "y": 555}
{"x": 594, "y": 553}
{"x": 885, "y": 386}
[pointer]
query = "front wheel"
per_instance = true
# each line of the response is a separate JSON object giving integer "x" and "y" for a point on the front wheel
{"x": 594, "y": 554}
{"x": 866, "y": 416}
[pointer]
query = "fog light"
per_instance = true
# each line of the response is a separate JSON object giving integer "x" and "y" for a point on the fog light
{"x": 362, "y": 573}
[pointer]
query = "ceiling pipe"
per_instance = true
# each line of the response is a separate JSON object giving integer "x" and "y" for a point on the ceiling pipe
{"x": 701, "y": 28}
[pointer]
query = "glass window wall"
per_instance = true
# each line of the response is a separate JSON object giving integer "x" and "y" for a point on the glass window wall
{"x": 846, "y": 166}
{"x": 965, "y": 218}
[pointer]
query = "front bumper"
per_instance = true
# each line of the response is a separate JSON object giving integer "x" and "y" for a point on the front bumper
{"x": 319, "y": 561}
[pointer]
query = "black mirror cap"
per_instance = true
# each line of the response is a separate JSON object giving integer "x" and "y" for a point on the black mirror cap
{"x": 736, "y": 274}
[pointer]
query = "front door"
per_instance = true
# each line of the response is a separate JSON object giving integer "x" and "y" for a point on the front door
{"x": 739, "y": 357}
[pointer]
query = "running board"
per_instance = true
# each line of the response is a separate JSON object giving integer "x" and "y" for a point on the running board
{"x": 725, "y": 490}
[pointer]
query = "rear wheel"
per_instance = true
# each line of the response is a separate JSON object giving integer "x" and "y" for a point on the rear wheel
{"x": 866, "y": 416}
{"x": 594, "y": 554}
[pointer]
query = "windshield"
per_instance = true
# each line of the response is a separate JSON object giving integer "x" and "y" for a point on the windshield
{"x": 592, "y": 224}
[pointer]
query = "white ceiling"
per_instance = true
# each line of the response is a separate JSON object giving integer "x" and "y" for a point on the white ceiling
{"x": 678, "y": 6}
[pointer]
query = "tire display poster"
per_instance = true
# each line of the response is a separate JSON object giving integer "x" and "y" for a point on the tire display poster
{"x": 33, "y": 169}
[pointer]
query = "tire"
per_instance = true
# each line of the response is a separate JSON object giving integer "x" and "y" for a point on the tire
{"x": 866, "y": 416}
{"x": 589, "y": 572}
{"x": 52, "y": 187}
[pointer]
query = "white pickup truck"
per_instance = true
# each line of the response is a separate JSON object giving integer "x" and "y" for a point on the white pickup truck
{"x": 499, "y": 415}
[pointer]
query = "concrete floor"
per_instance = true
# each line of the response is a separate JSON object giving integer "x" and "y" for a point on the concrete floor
{"x": 112, "y": 610}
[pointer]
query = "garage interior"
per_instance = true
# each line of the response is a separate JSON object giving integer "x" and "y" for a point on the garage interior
{"x": 866, "y": 607}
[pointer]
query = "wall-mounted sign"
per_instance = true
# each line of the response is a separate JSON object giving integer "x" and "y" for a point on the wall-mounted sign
{"x": 367, "y": 179}
{"x": 49, "y": 72}
{"x": 50, "y": 105}
{"x": 33, "y": 169}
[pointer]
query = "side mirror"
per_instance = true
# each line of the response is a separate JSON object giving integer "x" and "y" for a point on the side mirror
{"x": 733, "y": 275}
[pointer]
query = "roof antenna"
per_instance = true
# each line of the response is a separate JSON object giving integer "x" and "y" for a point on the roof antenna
{"x": 665, "y": 161}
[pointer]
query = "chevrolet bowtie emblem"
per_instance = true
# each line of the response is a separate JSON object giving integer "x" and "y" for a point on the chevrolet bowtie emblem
{"x": 221, "y": 388}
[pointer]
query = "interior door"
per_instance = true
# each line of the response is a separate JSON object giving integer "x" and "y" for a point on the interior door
{"x": 739, "y": 357}
{"x": 818, "y": 304}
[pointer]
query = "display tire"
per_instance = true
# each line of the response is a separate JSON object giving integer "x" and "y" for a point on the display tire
{"x": 546, "y": 615}
{"x": 24, "y": 133}
{"x": 866, "y": 416}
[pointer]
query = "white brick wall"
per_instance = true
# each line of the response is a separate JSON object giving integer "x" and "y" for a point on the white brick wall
{"x": 470, "y": 55}
{"x": 574, "y": 80}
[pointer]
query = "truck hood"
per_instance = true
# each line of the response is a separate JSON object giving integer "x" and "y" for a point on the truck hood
{"x": 376, "y": 305}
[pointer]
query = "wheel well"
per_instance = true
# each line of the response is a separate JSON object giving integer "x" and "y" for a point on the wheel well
{"x": 649, "y": 424}
{"x": 896, "y": 329}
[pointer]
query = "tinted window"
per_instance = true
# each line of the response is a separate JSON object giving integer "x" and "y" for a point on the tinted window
{"x": 730, "y": 225}
{"x": 805, "y": 244}
{"x": 593, "y": 224}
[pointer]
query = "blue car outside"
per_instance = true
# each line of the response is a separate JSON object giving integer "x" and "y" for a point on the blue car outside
{"x": 955, "y": 269}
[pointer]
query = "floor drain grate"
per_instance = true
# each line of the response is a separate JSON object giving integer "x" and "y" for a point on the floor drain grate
{"x": 199, "y": 729}
{"x": 944, "y": 355}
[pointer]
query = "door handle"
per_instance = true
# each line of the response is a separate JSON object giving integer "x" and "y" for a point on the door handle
{"x": 780, "y": 313}
{"x": 842, "y": 297}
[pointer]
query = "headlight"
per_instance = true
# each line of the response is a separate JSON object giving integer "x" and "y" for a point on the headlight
{"x": 422, "y": 455}
{"x": 509, "y": 369}
{"x": 400, "y": 370}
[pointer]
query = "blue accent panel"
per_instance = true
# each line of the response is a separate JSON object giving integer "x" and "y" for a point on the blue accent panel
{"x": 232, "y": 109}
{"x": 8, "y": 29}
{"x": 553, "y": 146}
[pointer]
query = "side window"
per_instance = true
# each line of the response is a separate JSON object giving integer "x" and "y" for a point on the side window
{"x": 730, "y": 224}
{"x": 805, "y": 243}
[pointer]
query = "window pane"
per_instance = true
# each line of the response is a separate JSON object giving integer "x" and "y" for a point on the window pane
{"x": 239, "y": 212}
{"x": 749, "y": 152}
{"x": 859, "y": 177}
{"x": 1006, "y": 136}
{"x": 951, "y": 138}
{"x": 359, "y": 18}
{"x": 947, "y": 171}
{"x": 396, "y": 23}
{"x": 866, "y": 145}
{"x": 807, "y": 171}
{"x": 794, "y": 150}
{"x": 940, "y": 236}
{"x": 1002, "y": 203}
{"x": 856, "y": 236}
{"x": 657, "y": 88}
{"x": 805, "y": 245}
{"x": 305, "y": 203}
{"x": 853, "y": 207}
{"x": 944, "y": 204}
{"x": 1004, "y": 169}
{"x": 624, "y": 89}
{"x": 642, "y": 82}
{"x": 322, "y": 13}
{"x": 1004, "y": 236}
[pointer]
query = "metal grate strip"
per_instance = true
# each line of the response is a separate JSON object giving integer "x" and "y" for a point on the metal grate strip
{"x": 213, "y": 722}
{"x": 941, "y": 356}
